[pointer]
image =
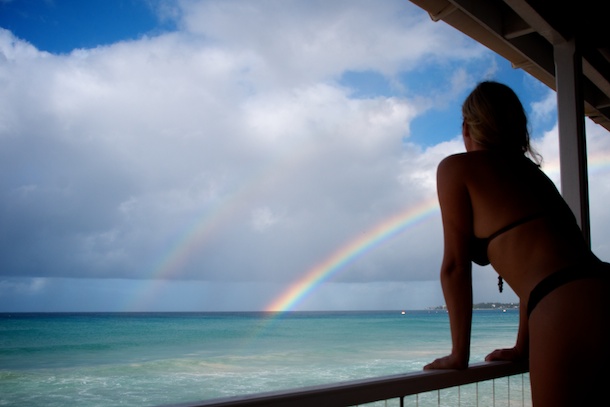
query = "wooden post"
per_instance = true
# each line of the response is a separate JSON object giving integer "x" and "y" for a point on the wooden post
{"x": 572, "y": 139}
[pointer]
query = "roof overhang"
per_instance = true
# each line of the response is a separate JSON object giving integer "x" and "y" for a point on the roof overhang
{"x": 526, "y": 33}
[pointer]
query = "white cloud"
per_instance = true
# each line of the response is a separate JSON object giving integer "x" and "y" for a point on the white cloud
{"x": 263, "y": 218}
{"x": 544, "y": 108}
{"x": 306, "y": 41}
{"x": 419, "y": 167}
{"x": 228, "y": 151}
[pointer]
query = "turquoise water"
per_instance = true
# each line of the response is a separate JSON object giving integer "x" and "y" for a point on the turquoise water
{"x": 144, "y": 359}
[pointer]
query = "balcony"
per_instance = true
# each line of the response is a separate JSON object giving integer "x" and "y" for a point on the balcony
{"x": 422, "y": 388}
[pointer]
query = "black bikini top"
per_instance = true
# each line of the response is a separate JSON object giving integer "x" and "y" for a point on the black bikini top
{"x": 478, "y": 245}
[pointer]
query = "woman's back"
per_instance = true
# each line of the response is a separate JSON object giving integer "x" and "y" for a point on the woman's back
{"x": 509, "y": 194}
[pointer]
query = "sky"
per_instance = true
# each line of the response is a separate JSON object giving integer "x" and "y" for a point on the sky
{"x": 249, "y": 155}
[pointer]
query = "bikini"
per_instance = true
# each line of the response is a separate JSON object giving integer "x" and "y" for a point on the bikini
{"x": 479, "y": 245}
{"x": 593, "y": 268}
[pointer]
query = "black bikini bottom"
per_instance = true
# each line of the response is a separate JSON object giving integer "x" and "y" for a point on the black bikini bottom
{"x": 595, "y": 269}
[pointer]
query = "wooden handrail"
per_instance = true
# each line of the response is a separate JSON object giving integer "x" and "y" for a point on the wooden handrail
{"x": 369, "y": 390}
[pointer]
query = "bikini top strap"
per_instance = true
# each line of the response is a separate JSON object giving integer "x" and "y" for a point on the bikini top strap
{"x": 514, "y": 224}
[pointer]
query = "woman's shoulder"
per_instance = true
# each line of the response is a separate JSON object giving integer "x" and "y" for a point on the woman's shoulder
{"x": 453, "y": 169}
{"x": 480, "y": 158}
{"x": 453, "y": 159}
{"x": 483, "y": 166}
{"x": 459, "y": 160}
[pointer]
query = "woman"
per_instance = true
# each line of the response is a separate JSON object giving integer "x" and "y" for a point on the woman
{"x": 498, "y": 206}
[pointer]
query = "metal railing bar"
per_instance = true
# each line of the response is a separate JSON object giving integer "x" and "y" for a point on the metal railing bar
{"x": 363, "y": 391}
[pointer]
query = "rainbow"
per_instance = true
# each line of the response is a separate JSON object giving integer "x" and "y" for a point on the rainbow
{"x": 172, "y": 261}
{"x": 353, "y": 249}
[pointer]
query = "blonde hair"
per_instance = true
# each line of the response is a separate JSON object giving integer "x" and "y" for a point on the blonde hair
{"x": 496, "y": 119}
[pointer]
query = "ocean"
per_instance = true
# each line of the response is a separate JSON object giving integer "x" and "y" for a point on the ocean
{"x": 150, "y": 359}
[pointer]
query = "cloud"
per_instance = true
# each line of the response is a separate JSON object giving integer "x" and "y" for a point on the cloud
{"x": 115, "y": 154}
{"x": 544, "y": 108}
{"x": 309, "y": 41}
{"x": 263, "y": 218}
{"x": 230, "y": 150}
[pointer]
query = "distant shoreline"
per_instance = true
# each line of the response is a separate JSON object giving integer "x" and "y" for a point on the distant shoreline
{"x": 486, "y": 305}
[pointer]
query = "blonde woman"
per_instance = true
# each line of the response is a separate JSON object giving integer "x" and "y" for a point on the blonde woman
{"x": 498, "y": 207}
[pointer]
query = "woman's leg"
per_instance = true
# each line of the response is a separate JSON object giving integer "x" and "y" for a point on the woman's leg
{"x": 570, "y": 345}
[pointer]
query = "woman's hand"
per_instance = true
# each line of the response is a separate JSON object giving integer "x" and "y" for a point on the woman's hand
{"x": 508, "y": 354}
{"x": 448, "y": 362}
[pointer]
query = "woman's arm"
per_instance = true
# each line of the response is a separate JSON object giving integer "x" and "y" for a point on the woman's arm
{"x": 521, "y": 349}
{"x": 456, "y": 269}
{"x": 457, "y": 289}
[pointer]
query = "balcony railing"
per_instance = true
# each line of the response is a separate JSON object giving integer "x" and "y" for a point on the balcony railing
{"x": 365, "y": 391}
